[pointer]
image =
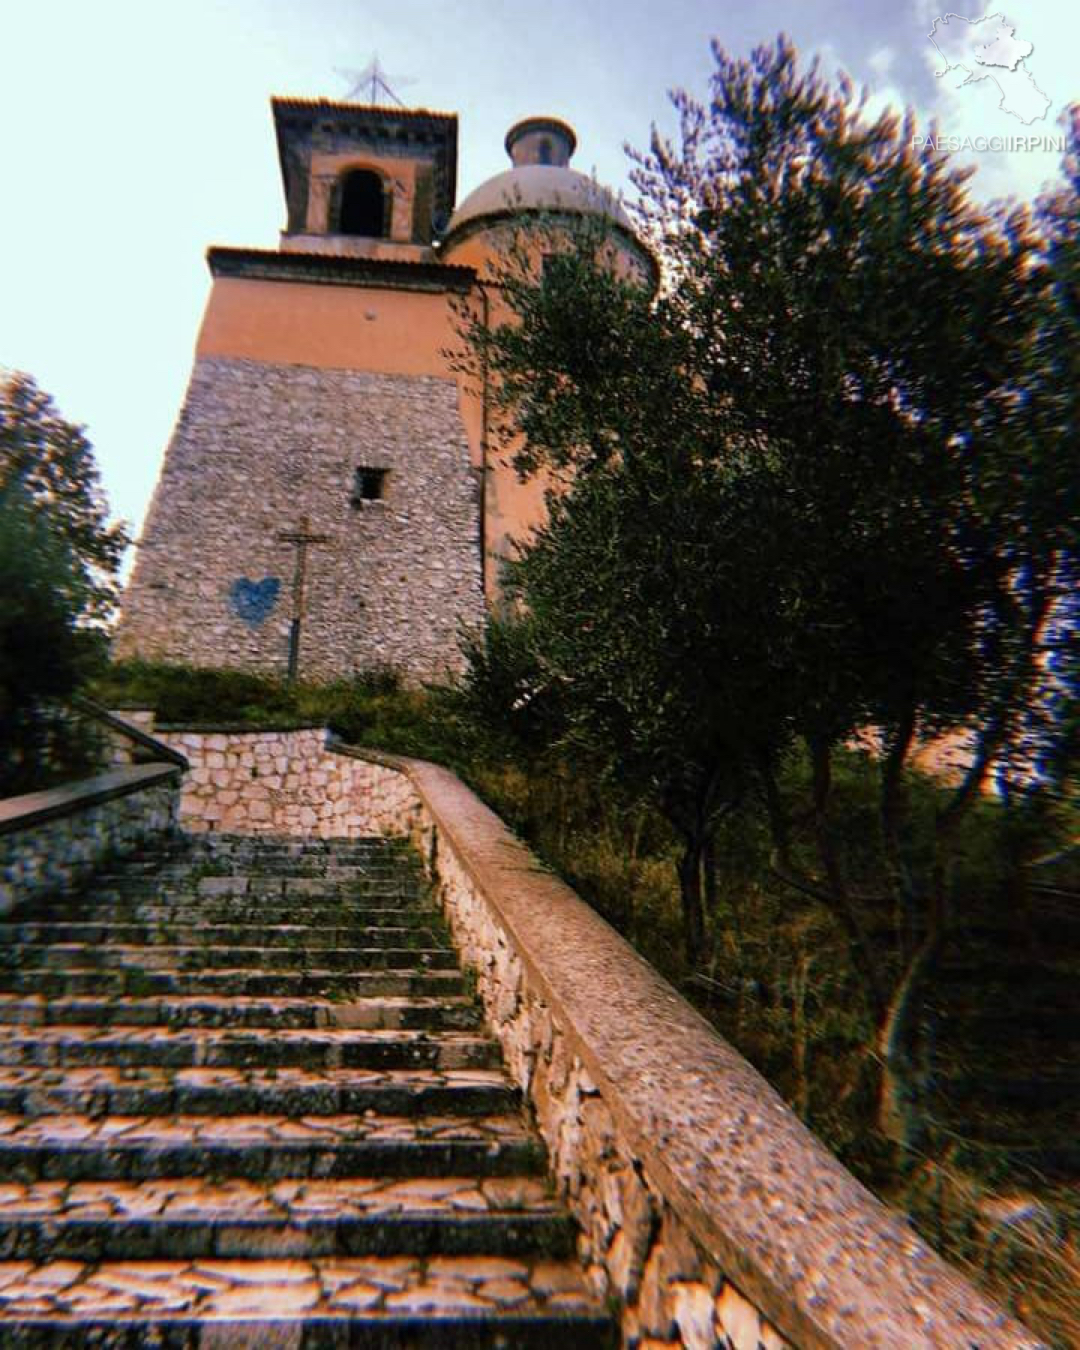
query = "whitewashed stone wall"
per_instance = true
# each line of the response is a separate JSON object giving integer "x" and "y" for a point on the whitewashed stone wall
{"x": 284, "y": 782}
{"x": 705, "y": 1207}
{"x": 259, "y": 448}
{"x": 53, "y": 840}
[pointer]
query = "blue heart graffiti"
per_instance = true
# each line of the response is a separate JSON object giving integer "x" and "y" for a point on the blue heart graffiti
{"x": 253, "y": 601}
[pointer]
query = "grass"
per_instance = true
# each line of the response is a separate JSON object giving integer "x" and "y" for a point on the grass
{"x": 372, "y": 709}
{"x": 1021, "y": 1244}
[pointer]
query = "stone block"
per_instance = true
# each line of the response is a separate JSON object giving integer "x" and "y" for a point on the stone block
{"x": 693, "y": 1314}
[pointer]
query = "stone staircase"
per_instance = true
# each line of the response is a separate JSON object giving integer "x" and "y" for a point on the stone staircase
{"x": 247, "y": 1100}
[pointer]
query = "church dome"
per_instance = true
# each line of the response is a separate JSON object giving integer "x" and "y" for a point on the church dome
{"x": 540, "y": 181}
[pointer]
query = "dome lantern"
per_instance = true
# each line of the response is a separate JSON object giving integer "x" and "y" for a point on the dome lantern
{"x": 541, "y": 140}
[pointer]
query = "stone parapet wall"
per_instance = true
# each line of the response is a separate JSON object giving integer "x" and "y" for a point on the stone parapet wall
{"x": 121, "y": 747}
{"x": 124, "y": 737}
{"x": 284, "y": 782}
{"x": 263, "y": 451}
{"x": 51, "y": 841}
{"x": 705, "y": 1206}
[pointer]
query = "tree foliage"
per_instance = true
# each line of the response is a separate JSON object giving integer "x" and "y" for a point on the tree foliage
{"x": 51, "y": 463}
{"x": 44, "y": 652}
{"x": 58, "y": 561}
{"x": 820, "y": 484}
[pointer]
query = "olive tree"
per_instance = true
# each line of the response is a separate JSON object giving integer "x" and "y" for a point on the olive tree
{"x": 811, "y": 490}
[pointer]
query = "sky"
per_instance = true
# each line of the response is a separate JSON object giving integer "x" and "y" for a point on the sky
{"x": 136, "y": 133}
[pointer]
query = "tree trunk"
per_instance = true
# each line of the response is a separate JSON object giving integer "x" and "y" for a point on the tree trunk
{"x": 708, "y": 870}
{"x": 893, "y": 806}
{"x": 843, "y": 905}
{"x": 779, "y": 825}
{"x": 901, "y": 1105}
{"x": 690, "y": 891}
{"x": 800, "y": 1038}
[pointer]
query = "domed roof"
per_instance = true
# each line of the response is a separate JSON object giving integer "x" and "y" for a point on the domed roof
{"x": 541, "y": 180}
{"x": 536, "y": 188}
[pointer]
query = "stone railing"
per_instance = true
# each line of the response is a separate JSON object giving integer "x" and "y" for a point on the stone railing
{"x": 705, "y": 1206}
{"x": 125, "y": 736}
{"x": 53, "y": 840}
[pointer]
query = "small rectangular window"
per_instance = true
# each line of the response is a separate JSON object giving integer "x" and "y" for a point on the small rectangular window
{"x": 369, "y": 485}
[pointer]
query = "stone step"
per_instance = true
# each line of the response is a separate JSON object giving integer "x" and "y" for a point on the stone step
{"x": 307, "y": 844}
{"x": 230, "y": 874}
{"x": 402, "y": 860}
{"x": 311, "y": 1048}
{"x": 264, "y": 1147}
{"x": 356, "y": 882}
{"x": 350, "y": 1216}
{"x": 199, "y": 847}
{"x": 214, "y": 839}
{"x": 257, "y": 847}
{"x": 207, "y": 851}
{"x": 268, "y": 859}
{"x": 423, "y": 1303}
{"x": 212, "y": 856}
{"x": 243, "y": 912}
{"x": 316, "y": 982}
{"x": 456, "y": 1013}
{"x": 193, "y": 930}
{"x": 154, "y": 1090}
{"x": 259, "y": 892}
{"x": 63, "y": 955}
{"x": 239, "y": 863}
{"x": 264, "y": 888}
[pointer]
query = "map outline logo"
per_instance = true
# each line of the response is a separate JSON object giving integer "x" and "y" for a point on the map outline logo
{"x": 988, "y": 49}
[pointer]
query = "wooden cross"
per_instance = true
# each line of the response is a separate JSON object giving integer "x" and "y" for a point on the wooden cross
{"x": 303, "y": 539}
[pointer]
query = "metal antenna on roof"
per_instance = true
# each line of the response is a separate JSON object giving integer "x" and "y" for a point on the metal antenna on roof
{"x": 372, "y": 84}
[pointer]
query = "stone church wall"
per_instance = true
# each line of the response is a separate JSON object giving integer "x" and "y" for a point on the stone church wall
{"x": 258, "y": 450}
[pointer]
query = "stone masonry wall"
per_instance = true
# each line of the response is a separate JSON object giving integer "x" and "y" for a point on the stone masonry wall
{"x": 283, "y": 782}
{"x": 258, "y": 450}
{"x": 51, "y": 841}
{"x": 706, "y": 1208}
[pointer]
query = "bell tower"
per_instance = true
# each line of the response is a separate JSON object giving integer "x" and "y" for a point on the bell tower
{"x": 329, "y": 501}
{"x": 363, "y": 180}
{"x": 318, "y": 511}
